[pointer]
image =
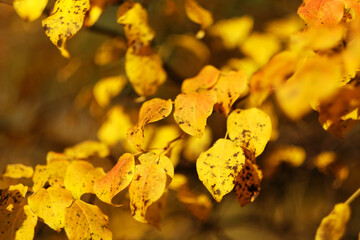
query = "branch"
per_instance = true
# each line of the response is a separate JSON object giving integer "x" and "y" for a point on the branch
{"x": 5, "y": 2}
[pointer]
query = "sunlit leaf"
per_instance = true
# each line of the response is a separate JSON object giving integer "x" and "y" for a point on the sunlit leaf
{"x": 194, "y": 145}
{"x": 228, "y": 89}
{"x": 66, "y": 20}
{"x": 86, "y": 221}
{"x": 321, "y": 12}
{"x": 145, "y": 71}
{"x": 161, "y": 160}
{"x": 110, "y": 51}
{"x": 50, "y": 204}
{"x": 107, "y": 88}
{"x": 285, "y": 27}
{"x": 80, "y": 177}
{"x": 18, "y": 171}
{"x": 87, "y": 149}
{"x": 324, "y": 159}
{"x": 96, "y": 8}
{"x": 247, "y": 183}
{"x": 244, "y": 64}
{"x": 333, "y": 226}
{"x": 117, "y": 179}
{"x": 232, "y": 31}
{"x": 218, "y": 167}
{"x": 151, "y": 111}
{"x": 206, "y": 78}
{"x": 250, "y": 128}
{"x": 198, "y": 14}
{"x": 192, "y": 110}
{"x": 29, "y": 10}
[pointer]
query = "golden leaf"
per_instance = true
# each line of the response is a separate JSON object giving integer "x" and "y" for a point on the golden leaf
{"x": 161, "y": 160}
{"x": 110, "y": 51}
{"x": 151, "y": 111}
{"x": 207, "y": 77}
{"x": 66, "y": 20}
{"x": 332, "y": 227}
{"x": 18, "y": 171}
{"x": 198, "y": 14}
{"x": 194, "y": 145}
{"x": 86, "y": 221}
{"x": 29, "y": 10}
{"x": 116, "y": 180}
{"x": 284, "y": 28}
{"x": 80, "y": 177}
{"x": 145, "y": 72}
{"x": 87, "y": 149}
{"x": 245, "y": 64}
{"x": 218, "y": 167}
{"x": 96, "y": 8}
{"x": 107, "y": 88}
{"x": 250, "y": 128}
{"x": 50, "y": 204}
{"x": 192, "y": 110}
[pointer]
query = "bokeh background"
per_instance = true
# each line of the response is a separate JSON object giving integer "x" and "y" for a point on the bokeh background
{"x": 46, "y": 105}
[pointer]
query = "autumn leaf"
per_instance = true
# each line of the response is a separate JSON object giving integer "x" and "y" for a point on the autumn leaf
{"x": 247, "y": 183}
{"x": 151, "y": 111}
{"x": 192, "y": 110}
{"x": 87, "y": 149}
{"x": 207, "y": 77}
{"x": 110, "y": 51}
{"x": 218, "y": 167}
{"x": 145, "y": 71}
{"x": 86, "y": 221}
{"x": 147, "y": 186}
{"x": 80, "y": 177}
{"x": 161, "y": 160}
{"x": 194, "y": 145}
{"x": 107, "y": 88}
{"x": 198, "y": 14}
{"x": 250, "y": 128}
{"x": 321, "y": 12}
{"x": 116, "y": 180}
{"x": 29, "y": 10}
{"x": 17, "y": 221}
{"x": 332, "y": 227}
{"x": 228, "y": 89}
{"x": 50, "y": 204}
{"x": 18, "y": 171}
{"x": 286, "y": 27}
{"x": 96, "y": 8}
{"x": 65, "y": 21}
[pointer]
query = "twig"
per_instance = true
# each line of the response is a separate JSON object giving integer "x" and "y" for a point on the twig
{"x": 353, "y": 197}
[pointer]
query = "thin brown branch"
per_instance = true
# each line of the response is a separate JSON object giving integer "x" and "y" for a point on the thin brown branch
{"x": 5, "y": 2}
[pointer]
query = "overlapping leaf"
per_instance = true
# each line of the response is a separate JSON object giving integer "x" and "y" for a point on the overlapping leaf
{"x": 87, "y": 149}
{"x": 18, "y": 171}
{"x": 30, "y": 10}
{"x": 161, "y": 160}
{"x": 107, "y": 88}
{"x": 207, "y": 77}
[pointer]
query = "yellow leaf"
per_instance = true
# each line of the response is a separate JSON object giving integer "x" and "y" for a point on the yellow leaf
{"x": 96, "y": 8}
{"x": 145, "y": 72}
{"x": 54, "y": 156}
{"x": 161, "y": 160}
{"x": 232, "y": 31}
{"x": 110, "y": 51}
{"x": 133, "y": 17}
{"x": 199, "y": 205}
{"x": 332, "y": 227}
{"x": 228, "y": 89}
{"x": 266, "y": 46}
{"x": 107, "y": 88}
{"x": 147, "y": 186}
{"x": 192, "y": 110}
{"x": 269, "y": 109}
{"x": 198, "y": 14}
{"x": 206, "y": 78}
{"x": 245, "y": 64}
{"x": 284, "y": 28}
{"x": 324, "y": 159}
{"x": 247, "y": 183}
{"x": 218, "y": 167}
{"x": 53, "y": 173}
{"x": 18, "y": 171}
{"x": 250, "y": 128}
{"x": 116, "y": 180}
{"x": 80, "y": 177}
{"x": 86, "y": 221}
{"x": 194, "y": 145}
{"x": 87, "y": 149}
{"x": 50, "y": 204}
{"x": 66, "y": 20}
{"x": 151, "y": 111}
{"x": 30, "y": 10}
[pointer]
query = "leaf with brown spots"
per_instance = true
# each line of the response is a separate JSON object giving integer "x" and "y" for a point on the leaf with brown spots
{"x": 332, "y": 227}
{"x": 198, "y": 14}
{"x": 116, "y": 180}
{"x": 50, "y": 204}
{"x": 192, "y": 110}
{"x": 18, "y": 171}
{"x": 321, "y": 12}
{"x": 247, "y": 183}
{"x": 87, "y": 149}
{"x": 147, "y": 186}
{"x": 17, "y": 221}
{"x": 66, "y": 19}
{"x": 250, "y": 128}
{"x": 206, "y": 78}
{"x": 30, "y": 10}
{"x": 151, "y": 111}
{"x": 161, "y": 160}
{"x": 218, "y": 167}
{"x": 145, "y": 71}
{"x": 80, "y": 177}
{"x": 86, "y": 221}
{"x": 228, "y": 89}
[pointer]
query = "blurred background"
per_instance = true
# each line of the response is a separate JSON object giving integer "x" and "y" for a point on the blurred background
{"x": 46, "y": 104}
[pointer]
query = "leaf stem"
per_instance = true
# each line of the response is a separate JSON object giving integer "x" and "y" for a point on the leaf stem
{"x": 353, "y": 197}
